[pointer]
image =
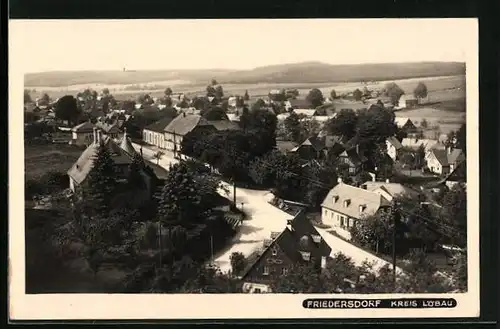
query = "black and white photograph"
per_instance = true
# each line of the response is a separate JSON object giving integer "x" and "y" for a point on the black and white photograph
{"x": 291, "y": 159}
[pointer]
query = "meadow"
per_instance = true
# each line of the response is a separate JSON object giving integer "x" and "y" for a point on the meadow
{"x": 38, "y": 159}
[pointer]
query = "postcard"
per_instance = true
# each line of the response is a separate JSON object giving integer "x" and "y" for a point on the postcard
{"x": 288, "y": 169}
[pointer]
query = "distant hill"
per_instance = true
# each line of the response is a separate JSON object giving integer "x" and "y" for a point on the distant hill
{"x": 307, "y": 72}
{"x": 310, "y": 72}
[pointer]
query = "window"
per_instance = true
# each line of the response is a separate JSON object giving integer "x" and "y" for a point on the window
{"x": 326, "y": 212}
{"x": 331, "y": 215}
{"x": 341, "y": 221}
{"x": 275, "y": 251}
{"x": 257, "y": 291}
{"x": 265, "y": 270}
{"x": 284, "y": 271}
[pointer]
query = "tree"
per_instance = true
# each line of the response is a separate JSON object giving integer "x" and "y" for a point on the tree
{"x": 393, "y": 91}
{"x": 214, "y": 114}
{"x": 300, "y": 278}
{"x": 424, "y": 124}
{"x": 210, "y": 91}
{"x": 67, "y": 109}
{"x": 376, "y": 124}
{"x": 168, "y": 92}
{"x": 105, "y": 92}
{"x": 135, "y": 179}
{"x": 214, "y": 82}
{"x": 158, "y": 155}
{"x": 200, "y": 103}
{"x": 453, "y": 214}
{"x": 344, "y": 124}
{"x": 460, "y": 272}
{"x": 181, "y": 202}
{"x": 420, "y": 91}
{"x": 315, "y": 97}
{"x": 293, "y": 128}
{"x": 462, "y": 138}
{"x": 259, "y": 103}
{"x": 374, "y": 232}
{"x": 246, "y": 97}
{"x": 219, "y": 92}
{"x": 45, "y": 99}
{"x": 101, "y": 183}
{"x": 357, "y": 94}
{"x": 27, "y": 96}
{"x": 333, "y": 94}
{"x": 238, "y": 263}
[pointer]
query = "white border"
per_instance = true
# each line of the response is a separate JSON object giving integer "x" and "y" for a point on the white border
{"x": 235, "y": 306}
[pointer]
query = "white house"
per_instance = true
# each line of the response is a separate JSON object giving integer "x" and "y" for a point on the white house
{"x": 393, "y": 146}
{"x": 83, "y": 134}
{"x": 407, "y": 101}
{"x": 444, "y": 161}
{"x": 154, "y": 134}
{"x": 415, "y": 143}
{"x": 345, "y": 205}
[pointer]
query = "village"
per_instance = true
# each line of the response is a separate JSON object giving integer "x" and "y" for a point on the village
{"x": 208, "y": 192}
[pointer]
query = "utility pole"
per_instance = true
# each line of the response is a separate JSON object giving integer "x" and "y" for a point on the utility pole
{"x": 393, "y": 215}
{"x": 160, "y": 244}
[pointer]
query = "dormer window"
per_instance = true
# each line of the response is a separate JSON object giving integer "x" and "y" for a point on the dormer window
{"x": 306, "y": 255}
{"x": 316, "y": 238}
{"x": 335, "y": 198}
{"x": 347, "y": 202}
{"x": 362, "y": 208}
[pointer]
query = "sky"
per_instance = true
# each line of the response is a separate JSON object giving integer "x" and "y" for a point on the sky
{"x": 231, "y": 44}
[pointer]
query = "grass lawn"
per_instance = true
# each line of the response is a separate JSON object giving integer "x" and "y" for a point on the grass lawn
{"x": 38, "y": 159}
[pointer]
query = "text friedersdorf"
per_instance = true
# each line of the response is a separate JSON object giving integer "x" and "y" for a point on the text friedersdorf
{"x": 334, "y": 303}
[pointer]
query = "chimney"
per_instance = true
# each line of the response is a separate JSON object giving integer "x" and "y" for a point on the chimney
{"x": 339, "y": 180}
{"x": 289, "y": 224}
{"x": 95, "y": 135}
{"x": 387, "y": 180}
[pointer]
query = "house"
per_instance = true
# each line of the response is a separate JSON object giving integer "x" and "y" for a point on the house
{"x": 285, "y": 146}
{"x": 110, "y": 130}
{"x": 181, "y": 126}
{"x": 297, "y": 104}
{"x": 222, "y": 125}
{"x": 309, "y": 113}
{"x": 154, "y": 134}
{"x": 389, "y": 190}
{"x": 457, "y": 176}
{"x": 405, "y": 124}
{"x": 415, "y": 143}
{"x": 82, "y": 134}
{"x": 234, "y": 117}
{"x": 393, "y": 146}
{"x": 444, "y": 161}
{"x": 311, "y": 148}
{"x": 298, "y": 243}
{"x": 232, "y": 101}
{"x": 352, "y": 159}
{"x": 345, "y": 205}
{"x": 407, "y": 101}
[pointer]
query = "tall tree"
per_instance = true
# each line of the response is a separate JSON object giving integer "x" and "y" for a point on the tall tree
{"x": 393, "y": 91}
{"x": 168, "y": 92}
{"x": 214, "y": 114}
{"x": 344, "y": 124}
{"x": 219, "y": 92}
{"x": 315, "y": 97}
{"x": 27, "y": 96}
{"x": 454, "y": 214}
{"x": 238, "y": 263}
{"x": 300, "y": 278}
{"x": 246, "y": 97}
{"x": 135, "y": 179}
{"x": 67, "y": 109}
{"x": 101, "y": 182}
{"x": 462, "y": 138}
{"x": 333, "y": 94}
{"x": 293, "y": 128}
{"x": 420, "y": 91}
{"x": 357, "y": 94}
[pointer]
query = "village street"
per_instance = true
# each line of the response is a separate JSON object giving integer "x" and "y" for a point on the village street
{"x": 262, "y": 219}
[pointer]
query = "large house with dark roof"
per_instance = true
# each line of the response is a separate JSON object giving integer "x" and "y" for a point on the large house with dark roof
{"x": 345, "y": 205}
{"x": 298, "y": 243}
{"x": 183, "y": 125}
{"x": 122, "y": 154}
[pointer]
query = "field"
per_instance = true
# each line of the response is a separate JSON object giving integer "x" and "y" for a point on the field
{"x": 38, "y": 159}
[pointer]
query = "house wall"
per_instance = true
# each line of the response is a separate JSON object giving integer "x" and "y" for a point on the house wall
{"x": 255, "y": 288}
{"x": 154, "y": 138}
{"x": 82, "y": 138}
{"x": 338, "y": 221}
{"x": 274, "y": 262}
{"x": 391, "y": 150}
{"x": 435, "y": 166}
{"x": 169, "y": 141}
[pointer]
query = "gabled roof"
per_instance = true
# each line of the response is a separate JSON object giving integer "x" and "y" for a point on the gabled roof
{"x": 402, "y": 121}
{"x": 84, "y": 127}
{"x": 221, "y": 125}
{"x": 393, "y": 189}
{"x": 305, "y": 111}
{"x": 108, "y": 128}
{"x": 285, "y": 146}
{"x": 445, "y": 158}
{"x": 415, "y": 143}
{"x": 299, "y": 103}
{"x": 355, "y": 198}
{"x": 126, "y": 145}
{"x": 296, "y": 238}
{"x": 394, "y": 142}
{"x": 160, "y": 125}
{"x": 82, "y": 167}
{"x": 181, "y": 125}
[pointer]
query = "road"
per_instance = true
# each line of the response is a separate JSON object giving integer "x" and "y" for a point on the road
{"x": 262, "y": 219}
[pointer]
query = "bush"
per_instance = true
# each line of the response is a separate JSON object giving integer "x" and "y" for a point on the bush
{"x": 238, "y": 263}
{"x": 50, "y": 182}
